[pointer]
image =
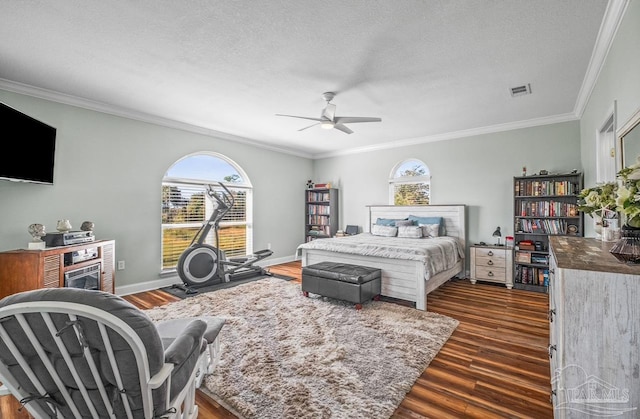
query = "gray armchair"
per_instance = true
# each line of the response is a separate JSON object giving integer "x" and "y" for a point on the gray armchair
{"x": 71, "y": 352}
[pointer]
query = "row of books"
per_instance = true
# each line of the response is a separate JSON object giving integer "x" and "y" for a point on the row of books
{"x": 317, "y": 196}
{"x": 318, "y": 209}
{"x": 532, "y": 276}
{"x": 547, "y": 209}
{"x": 320, "y": 231}
{"x": 528, "y": 257}
{"x": 318, "y": 219}
{"x": 538, "y": 226}
{"x": 545, "y": 188}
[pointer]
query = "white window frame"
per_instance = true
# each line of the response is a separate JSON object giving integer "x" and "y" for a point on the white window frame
{"x": 245, "y": 186}
{"x": 398, "y": 180}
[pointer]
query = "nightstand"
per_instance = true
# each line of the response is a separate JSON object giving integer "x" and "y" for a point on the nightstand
{"x": 492, "y": 264}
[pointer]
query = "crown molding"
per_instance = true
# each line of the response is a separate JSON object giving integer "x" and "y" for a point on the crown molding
{"x": 91, "y": 105}
{"x": 607, "y": 33}
{"x": 547, "y": 120}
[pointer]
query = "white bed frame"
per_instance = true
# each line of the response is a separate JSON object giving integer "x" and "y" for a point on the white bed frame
{"x": 404, "y": 279}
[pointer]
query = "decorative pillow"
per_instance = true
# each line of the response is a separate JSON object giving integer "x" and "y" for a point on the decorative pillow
{"x": 430, "y": 220}
{"x": 410, "y": 232}
{"x": 385, "y": 231}
{"x": 430, "y": 230}
{"x": 388, "y": 221}
{"x": 400, "y": 223}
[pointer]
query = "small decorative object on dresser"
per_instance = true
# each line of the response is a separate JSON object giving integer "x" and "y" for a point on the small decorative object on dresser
{"x": 87, "y": 226}
{"x": 63, "y": 226}
{"x": 492, "y": 264}
{"x": 37, "y": 231}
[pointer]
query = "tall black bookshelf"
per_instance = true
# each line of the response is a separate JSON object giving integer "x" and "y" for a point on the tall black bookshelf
{"x": 544, "y": 205}
{"x": 321, "y": 213}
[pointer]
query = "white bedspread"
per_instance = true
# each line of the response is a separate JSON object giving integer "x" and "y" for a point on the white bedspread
{"x": 437, "y": 254}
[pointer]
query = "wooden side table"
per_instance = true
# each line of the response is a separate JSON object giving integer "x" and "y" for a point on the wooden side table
{"x": 492, "y": 264}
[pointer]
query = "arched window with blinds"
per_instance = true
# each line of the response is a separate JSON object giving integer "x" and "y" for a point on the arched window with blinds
{"x": 410, "y": 183}
{"x": 186, "y": 207}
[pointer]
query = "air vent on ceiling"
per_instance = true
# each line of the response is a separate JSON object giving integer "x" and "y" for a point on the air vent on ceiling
{"x": 521, "y": 90}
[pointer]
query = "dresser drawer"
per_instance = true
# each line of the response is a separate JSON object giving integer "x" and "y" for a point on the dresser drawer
{"x": 490, "y": 273}
{"x": 491, "y": 261}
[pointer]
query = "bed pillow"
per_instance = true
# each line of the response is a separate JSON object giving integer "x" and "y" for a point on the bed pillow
{"x": 430, "y": 230}
{"x": 430, "y": 220}
{"x": 410, "y": 232}
{"x": 400, "y": 223}
{"x": 388, "y": 221}
{"x": 384, "y": 231}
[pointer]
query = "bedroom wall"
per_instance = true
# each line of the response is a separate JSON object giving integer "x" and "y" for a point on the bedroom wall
{"x": 477, "y": 171}
{"x": 619, "y": 81}
{"x": 109, "y": 170}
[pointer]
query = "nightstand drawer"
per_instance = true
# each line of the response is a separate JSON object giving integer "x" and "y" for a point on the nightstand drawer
{"x": 490, "y": 273}
{"x": 491, "y": 261}
{"x": 490, "y": 253}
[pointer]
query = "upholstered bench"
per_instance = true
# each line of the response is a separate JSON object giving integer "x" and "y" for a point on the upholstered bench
{"x": 342, "y": 281}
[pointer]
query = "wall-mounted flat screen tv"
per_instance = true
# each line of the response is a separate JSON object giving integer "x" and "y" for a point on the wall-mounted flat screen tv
{"x": 28, "y": 147}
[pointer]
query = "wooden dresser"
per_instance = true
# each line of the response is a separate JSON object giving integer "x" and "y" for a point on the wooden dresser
{"x": 492, "y": 264}
{"x": 24, "y": 270}
{"x": 594, "y": 320}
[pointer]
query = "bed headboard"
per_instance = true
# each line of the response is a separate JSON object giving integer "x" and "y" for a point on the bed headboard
{"x": 454, "y": 216}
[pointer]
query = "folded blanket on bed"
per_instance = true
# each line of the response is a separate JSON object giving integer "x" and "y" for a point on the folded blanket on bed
{"x": 438, "y": 254}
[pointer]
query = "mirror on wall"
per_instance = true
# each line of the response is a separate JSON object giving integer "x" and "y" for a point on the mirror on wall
{"x": 629, "y": 140}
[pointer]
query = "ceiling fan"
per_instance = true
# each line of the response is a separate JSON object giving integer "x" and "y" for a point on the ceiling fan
{"x": 329, "y": 120}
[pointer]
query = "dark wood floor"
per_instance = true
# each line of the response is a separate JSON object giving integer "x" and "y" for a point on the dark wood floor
{"x": 495, "y": 364}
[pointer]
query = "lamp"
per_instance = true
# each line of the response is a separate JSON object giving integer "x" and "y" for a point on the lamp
{"x": 497, "y": 234}
{"x": 327, "y": 124}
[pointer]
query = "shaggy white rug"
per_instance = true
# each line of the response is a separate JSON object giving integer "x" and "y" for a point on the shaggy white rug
{"x": 288, "y": 356}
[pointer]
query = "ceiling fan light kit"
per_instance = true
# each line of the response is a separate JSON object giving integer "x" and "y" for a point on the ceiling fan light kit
{"x": 329, "y": 120}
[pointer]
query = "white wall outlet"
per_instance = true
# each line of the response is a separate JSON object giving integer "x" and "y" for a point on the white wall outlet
{"x": 121, "y": 265}
{"x": 268, "y": 246}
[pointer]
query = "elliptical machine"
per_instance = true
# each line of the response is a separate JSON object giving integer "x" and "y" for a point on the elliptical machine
{"x": 202, "y": 264}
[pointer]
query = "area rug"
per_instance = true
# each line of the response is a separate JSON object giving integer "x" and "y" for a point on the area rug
{"x": 289, "y": 356}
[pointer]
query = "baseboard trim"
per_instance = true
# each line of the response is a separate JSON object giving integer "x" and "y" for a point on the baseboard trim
{"x": 167, "y": 279}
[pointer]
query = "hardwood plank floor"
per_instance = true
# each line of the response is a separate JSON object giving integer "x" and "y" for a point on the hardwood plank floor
{"x": 495, "y": 364}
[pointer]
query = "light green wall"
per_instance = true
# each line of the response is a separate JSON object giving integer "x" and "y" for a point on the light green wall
{"x": 619, "y": 81}
{"x": 477, "y": 171}
{"x": 109, "y": 170}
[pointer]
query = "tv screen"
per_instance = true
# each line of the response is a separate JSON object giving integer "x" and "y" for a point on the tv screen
{"x": 29, "y": 147}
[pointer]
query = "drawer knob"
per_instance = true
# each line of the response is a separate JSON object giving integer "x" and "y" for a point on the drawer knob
{"x": 551, "y": 313}
{"x": 551, "y": 348}
{"x": 490, "y": 262}
{"x": 490, "y": 273}
{"x": 490, "y": 253}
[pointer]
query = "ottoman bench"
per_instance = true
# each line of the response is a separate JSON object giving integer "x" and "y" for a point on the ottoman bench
{"x": 342, "y": 281}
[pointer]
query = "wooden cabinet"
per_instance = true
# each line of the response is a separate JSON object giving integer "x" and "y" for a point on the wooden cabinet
{"x": 594, "y": 330}
{"x": 23, "y": 270}
{"x": 544, "y": 205}
{"x": 321, "y": 213}
{"x": 492, "y": 264}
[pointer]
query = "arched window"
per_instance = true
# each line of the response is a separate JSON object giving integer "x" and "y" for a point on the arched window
{"x": 409, "y": 183}
{"x": 185, "y": 206}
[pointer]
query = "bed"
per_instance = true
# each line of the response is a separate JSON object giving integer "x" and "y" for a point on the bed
{"x": 408, "y": 273}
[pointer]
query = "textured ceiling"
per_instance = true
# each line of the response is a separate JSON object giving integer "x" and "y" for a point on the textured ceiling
{"x": 428, "y": 68}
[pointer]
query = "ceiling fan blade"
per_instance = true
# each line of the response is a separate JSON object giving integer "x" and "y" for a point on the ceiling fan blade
{"x": 329, "y": 111}
{"x": 301, "y": 117}
{"x": 352, "y": 119}
{"x": 343, "y": 128}
{"x": 312, "y": 125}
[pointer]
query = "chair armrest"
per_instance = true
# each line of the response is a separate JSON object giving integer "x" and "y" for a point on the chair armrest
{"x": 161, "y": 376}
{"x": 187, "y": 343}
